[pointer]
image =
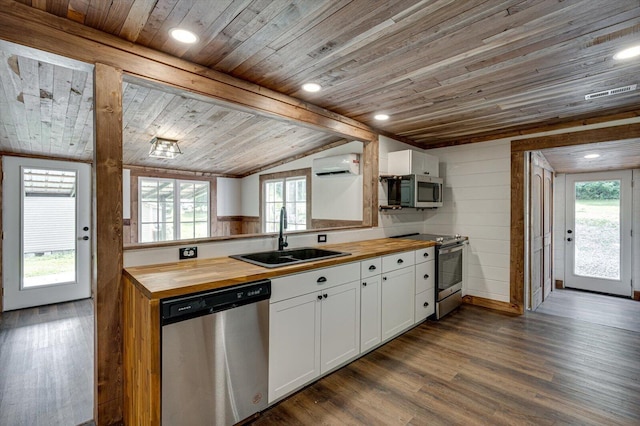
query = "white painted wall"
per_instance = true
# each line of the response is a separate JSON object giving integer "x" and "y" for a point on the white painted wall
{"x": 336, "y": 197}
{"x": 229, "y": 196}
{"x": 477, "y": 197}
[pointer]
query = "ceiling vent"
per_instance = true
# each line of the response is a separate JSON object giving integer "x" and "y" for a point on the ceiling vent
{"x": 616, "y": 91}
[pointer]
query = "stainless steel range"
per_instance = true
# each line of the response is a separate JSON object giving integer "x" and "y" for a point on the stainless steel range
{"x": 449, "y": 269}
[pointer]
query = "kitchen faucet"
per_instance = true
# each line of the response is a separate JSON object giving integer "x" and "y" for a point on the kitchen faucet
{"x": 282, "y": 239}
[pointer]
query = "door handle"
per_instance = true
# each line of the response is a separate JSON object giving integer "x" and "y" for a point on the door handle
{"x": 85, "y": 238}
{"x": 426, "y": 276}
{"x": 569, "y": 231}
{"x": 426, "y": 304}
{"x": 569, "y": 239}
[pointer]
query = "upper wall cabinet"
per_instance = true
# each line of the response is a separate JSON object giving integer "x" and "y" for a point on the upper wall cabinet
{"x": 409, "y": 162}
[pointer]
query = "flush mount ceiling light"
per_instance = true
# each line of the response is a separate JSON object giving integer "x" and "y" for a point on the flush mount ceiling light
{"x": 311, "y": 87}
{"x": 629, "y": 53}
{"x": 183, "y": 36}
{"x": 590, "y": 156}
{"x": 164, "y": 148}
{"x": 381, "y": 117}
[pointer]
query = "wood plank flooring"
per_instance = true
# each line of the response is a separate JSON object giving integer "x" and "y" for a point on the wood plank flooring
{"x": 46, "y": 365}
{"x": 481, "y": 367}
{"x": 592, "y": 307}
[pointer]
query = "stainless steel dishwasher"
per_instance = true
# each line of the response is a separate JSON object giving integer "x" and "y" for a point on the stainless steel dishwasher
{"x": 215, "y": 348}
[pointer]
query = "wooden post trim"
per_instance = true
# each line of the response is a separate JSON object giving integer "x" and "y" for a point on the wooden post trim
{"x": 107, "y": 264}
{"x": 370, "y": 171}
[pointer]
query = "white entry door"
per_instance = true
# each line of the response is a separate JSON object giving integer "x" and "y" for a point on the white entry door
{"x": 46, "y": 251}
{"x": 598, "y": 232}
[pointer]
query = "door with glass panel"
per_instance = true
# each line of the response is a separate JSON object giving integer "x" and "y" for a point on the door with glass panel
{"x": 46, "y": 209}
{"x": 598, "y": 232}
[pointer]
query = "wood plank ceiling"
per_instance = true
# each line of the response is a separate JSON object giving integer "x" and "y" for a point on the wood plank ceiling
{"x": 614, "y": 155}
{"x": 444, "y": 70}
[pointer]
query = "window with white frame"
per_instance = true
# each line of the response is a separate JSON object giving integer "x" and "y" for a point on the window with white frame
{"x": 289, "y": 189}
{"x": 172, "y": 209}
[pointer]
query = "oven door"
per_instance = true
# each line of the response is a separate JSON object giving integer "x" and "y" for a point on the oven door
{"x": 449, "y": 270}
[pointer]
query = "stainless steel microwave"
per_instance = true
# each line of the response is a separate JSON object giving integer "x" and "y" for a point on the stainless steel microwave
{"x": 417, "y": 191}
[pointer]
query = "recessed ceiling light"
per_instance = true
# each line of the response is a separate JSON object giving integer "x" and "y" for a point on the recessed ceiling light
{"x": 631, "y": 52}
{"x": 381, "y": 117}
{"x": 311, "y": 87}
{"x": 183, "y": 36}
{"x": 590, "y": 156}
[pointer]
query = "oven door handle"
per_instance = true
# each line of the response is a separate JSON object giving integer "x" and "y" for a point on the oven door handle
{"x": 448, "y": 250}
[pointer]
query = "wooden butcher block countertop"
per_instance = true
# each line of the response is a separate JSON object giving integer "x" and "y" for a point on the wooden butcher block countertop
{"x": 191, "y": 276}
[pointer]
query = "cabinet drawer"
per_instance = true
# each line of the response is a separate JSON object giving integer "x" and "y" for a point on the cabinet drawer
{"x": 397, "y": 261}
{"x": 425, "y": 276}
{"x": 425, "y": 305}
{"x": 425, "y": 255}
{"x": 306, "y": 282}
{"x": 370, "y": 267}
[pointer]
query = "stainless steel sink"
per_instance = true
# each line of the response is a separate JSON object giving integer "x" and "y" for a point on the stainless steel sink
{"x": 273, "y": 259}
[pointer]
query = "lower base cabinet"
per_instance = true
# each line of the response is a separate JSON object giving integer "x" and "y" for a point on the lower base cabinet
{"x": 398, "y": 300}
{"x": 370, "y": 305}
{"x": 312, "y": 334}
{"x": 294, "y": 344}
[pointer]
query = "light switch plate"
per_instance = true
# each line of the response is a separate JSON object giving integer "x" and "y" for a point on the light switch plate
{"x": 188, "y": 252}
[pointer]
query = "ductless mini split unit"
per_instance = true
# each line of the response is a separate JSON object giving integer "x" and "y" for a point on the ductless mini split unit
{"x": 337, "y": 165}
{"x": 616, "y": 91}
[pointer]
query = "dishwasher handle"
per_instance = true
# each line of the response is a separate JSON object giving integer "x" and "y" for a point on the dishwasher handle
{"x": 182, "y": 308}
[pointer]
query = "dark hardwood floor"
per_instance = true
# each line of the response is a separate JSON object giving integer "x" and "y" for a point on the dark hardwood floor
{"x": 46, "y": 365}
{"x": 592, "y": 307}
{"x": 481, "y": 367}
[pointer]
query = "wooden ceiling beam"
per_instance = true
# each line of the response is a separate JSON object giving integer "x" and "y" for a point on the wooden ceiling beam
{"x": 30, "y": 27}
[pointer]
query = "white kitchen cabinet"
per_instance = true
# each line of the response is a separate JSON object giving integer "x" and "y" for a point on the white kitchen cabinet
{"x": 312, "y": 333}
{"x": 425, "y": 284}
{"x": 340, "y": 325}
{"x": 410, "y": 162}
{"x": 294, "y": 344}
{"x": 398, "y": 301}
{"x": 370, "y": 312}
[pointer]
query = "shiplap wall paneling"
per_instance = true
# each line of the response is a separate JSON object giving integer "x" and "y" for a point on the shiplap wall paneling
{"x": 477, "y": 204}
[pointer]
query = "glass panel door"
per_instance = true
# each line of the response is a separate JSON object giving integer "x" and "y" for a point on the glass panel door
{"x": 48, "y": 240}
{"x": 46, "y": 223}
{"x": 598, "y": 232}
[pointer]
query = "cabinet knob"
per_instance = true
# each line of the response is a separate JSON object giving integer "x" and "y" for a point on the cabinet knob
{"x": 426, "y": 173}
{"x": 321, "y": 280}
{"x": 364, "y": 284}
{"x": 426, "y": 304}
{"x": 426, "y": 276}
{"x": 319, "y": 297}
{"x": 425, "y": 254}
{"x": 569, "y": 239}
{"x": 372, "y": 267}
{"x": 384, "y": 278}
{"x": 325, "y": 295}
{"x": 400, "y": 261}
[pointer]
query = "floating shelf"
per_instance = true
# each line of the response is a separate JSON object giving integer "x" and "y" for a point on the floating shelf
{"x": 383, "y": 178}
{"x": 381, "y": 208}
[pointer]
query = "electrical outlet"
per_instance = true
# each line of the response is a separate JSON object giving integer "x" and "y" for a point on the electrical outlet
{"x": 188, "y": 252}
{"x": 322, "y": 238}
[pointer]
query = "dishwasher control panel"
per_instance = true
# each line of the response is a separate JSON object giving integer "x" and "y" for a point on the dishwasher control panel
{"x": 185, "y": 307}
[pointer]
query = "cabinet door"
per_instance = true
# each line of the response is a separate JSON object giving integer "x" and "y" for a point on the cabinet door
{"x": 370, "y": 309}
{"x": 398, "y": 296}
{"x": 431, "y": 165}
{"x": 294, "y": 344}
{"x": 340, "y": 329}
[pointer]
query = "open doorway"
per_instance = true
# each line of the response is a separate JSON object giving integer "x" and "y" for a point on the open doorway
{"x": 46, "y": 306}
{"x": 595, "y": 208}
